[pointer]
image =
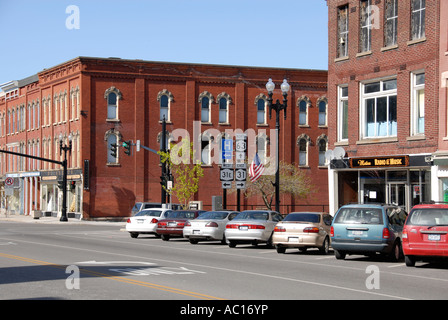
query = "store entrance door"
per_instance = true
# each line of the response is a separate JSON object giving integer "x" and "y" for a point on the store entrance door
{"x": 397, "y": 194}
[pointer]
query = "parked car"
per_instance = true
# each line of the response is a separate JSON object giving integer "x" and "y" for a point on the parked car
{"x": 303, "y": 230}
{"x": 252, "y": 226}
{"x": 425, "y": 233}
{"x": 209, "y": 226}
{"x": 139, "y": 206}
{"x": 174, "y": 223}
{"x": 145, "y": 221}
{"x": 368, "y": 229}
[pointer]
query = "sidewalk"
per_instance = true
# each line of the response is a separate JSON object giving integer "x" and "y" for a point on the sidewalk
{"x": 56, "y": 220}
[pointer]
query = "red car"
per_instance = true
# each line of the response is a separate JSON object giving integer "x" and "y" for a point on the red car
{"x": 425, "y": 233}
{"x": 174, "y": 223}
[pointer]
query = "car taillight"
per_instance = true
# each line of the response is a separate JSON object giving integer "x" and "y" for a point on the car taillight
{"x": 331, "y": 232}
{"x": 279, "y": 229}
{"x": 181, "y": 224}
{"x": 154, "y": 220}
{"x": 128, "y": 221}
{"x": 232, "y": 226}
{"x": 161, "y": 224}
{"x": 386, "y": 233}
{"x": 256, "y": 226}
{"x": 188, "y": 224}
{"x": 405, "y": 235}
{"x": 311, "y": 230}
{"x": 212, "y": 225}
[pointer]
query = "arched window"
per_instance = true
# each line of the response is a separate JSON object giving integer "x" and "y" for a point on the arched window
{"x": 112, "y": 95}
{"x": 322, "y": 143}
{"x": 165, "y": 98}
{"x": 322, "y": 104}
{"x": 261, "y": 103}
{"x": 224, "y": 101}
{"x": 205, "y": 100}
{"x": 302, "y": 143}
{"x": 112, "y": 137}
{"x": 303, "y": 103}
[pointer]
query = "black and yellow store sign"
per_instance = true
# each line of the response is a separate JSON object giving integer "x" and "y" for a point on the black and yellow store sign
{"x": 380, "y": 162}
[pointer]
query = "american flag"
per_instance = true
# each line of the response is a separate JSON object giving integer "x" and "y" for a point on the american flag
{"x": 256, "y": 169}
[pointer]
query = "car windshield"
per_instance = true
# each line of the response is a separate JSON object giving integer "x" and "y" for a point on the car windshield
{"x": 359, "y": 216}
{"x": 181, "y": 215}
{"x": 428, "y": 217}
{"x": 303, "y": 217}
{"x": 149, "y": 213}
{"x": 214, "y": 215}
{"x": 252, "y": 215}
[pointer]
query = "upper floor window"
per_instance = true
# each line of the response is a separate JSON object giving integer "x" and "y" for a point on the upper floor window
{"x": 112, "y": 137}
{"x": 302, "y": 142}
{"x": 418, "y": 104}
{"x": 322, "y": 143}
{"x": 365, "y": 38}
{"x": 342, "y": 32}
{"x": 165, "y": 98}
{"x": 112, "y": 96}
{"x": 322, "y": 104}
{"x": 261, "y": 103}
{"x": 418, "y": 8}
{"x": 224, "y": 101}
{"x": 303, "y": 103}
{"x": 391, "y": 23}
{"x": 379, "y": 109}
{"x": 205, "y": 100}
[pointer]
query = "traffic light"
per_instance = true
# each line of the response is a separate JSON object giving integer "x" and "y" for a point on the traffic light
{"x": 127, "y": 147}
{"x": 113, "y": 150}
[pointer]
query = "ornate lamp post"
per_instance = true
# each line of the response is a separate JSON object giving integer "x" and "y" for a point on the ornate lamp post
{"x": 64, "y": 148}
{"x": 277, "y": 107}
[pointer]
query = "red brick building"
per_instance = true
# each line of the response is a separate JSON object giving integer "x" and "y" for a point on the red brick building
{"x": 384, "y": 97}
{"x": 98, "y": 102}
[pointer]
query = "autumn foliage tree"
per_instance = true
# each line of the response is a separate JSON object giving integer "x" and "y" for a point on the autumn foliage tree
{"x": 293, "y": 181}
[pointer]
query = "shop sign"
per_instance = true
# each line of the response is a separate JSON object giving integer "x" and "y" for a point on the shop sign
{"x": 380, "y": 162}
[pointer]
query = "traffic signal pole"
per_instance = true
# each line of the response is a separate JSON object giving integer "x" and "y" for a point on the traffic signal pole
{"x": 64, "y": 178}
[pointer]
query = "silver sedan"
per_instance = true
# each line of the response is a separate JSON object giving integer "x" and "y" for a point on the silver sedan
{"x": 209, "y": 226}
{"x": 252, "y": 226}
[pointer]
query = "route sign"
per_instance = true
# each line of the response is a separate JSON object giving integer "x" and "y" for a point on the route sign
{"x": 241, "y": 174}
{"x": 226, "y": 184}
{"x": 226, "y": 174}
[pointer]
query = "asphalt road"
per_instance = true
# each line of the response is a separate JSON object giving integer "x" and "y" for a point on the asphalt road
{"x": 101, "y": 261}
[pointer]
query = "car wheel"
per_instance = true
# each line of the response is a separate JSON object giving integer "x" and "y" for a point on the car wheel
{"x": 409, "y": 260}
{"x": 325, "y": 246}
{"x": 340, "y": 255}
{"x": 395, "y": 254}
{"x": 165, "y": 237}
{"x": 232, "y": 244}
{"x": 134, "y": 234}
{"x": 281, "y": 249}
{"x": 194, "y": 241}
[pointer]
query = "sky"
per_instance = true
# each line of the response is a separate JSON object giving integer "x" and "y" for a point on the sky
{"x": 39, "y": 34}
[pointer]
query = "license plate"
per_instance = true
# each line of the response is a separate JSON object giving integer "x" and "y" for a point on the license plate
{"x": 196, "y": 231}
{"x": 172, "y": 224}
{"x": 244, "y": 228}
{"x": 293, "y": 239}
{"x": 140, "y": 221}
{"x": 434, "y": 237}
{"x": 357, "y": 233}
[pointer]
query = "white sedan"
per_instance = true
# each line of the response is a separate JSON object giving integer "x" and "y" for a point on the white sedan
{"x": 145, "y": 221}
{"x": 208, "y": 226}
{"x": 252, "y": 226}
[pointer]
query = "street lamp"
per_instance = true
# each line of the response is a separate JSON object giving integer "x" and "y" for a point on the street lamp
{"x": 277, "y": 107}
{"x": 64, "y": 148}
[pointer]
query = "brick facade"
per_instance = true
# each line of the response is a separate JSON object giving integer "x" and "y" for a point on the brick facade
{"x": 138, "y": 85}
{"x": 402, "y": 61}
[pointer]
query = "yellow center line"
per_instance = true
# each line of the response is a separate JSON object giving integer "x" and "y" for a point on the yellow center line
{"x": 116, "y": 278}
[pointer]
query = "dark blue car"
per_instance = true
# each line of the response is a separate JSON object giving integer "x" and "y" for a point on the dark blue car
{"x": 367, "y": 229}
